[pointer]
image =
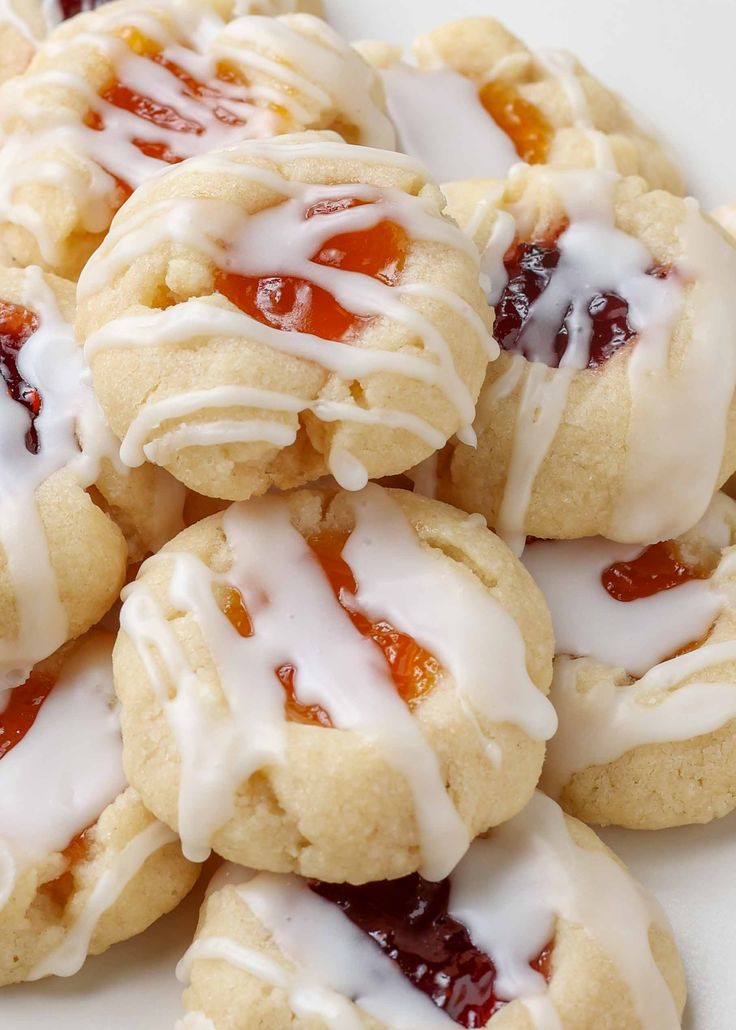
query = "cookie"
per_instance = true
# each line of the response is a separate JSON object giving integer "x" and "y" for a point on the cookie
{"x": 476, "y": 100}
{"x": 115, "y": 95}
{"x": 645, "y": 678}
{"x": 611, "y": 409}
{"x": 350, "y": 686}
{"x": 539, "y": 925}
{"x": 64, "y": 558}
{"x": 268, "y": 313}
{"x": 82, "y": 863}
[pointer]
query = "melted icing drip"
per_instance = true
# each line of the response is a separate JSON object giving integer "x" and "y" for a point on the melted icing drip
{"x": 292, "y": 304}
{"x": 530, "y": 267}
{"x": 61, "y": 889}
{"x": 148, "y": 109}
{"x": 523, "y": 123}
{"x": 413, "y": 669}
{"x": 409, "y": 921}
{"x": 17, "y": 325}
{"x": 659, "y": 567}
{"x": 21, "y": 711}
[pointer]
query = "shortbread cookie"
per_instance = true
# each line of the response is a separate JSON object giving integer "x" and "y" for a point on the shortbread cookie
{"x": 63, "y": 558}
{"x": 24, "y": 24}
{"x": 611, "y": 409}
{"x": 645, "y": 678}
{"x": 114, "y": 95}
{"x": 350, "y": 686}
{"x": 82, "y": 863}
{"x": 539, "y": 925}
{"x": 475, "y": 101}
{"x": 268, "y": 313}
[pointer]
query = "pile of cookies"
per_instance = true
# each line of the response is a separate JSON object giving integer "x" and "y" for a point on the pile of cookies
{"x": 412, "y": 496}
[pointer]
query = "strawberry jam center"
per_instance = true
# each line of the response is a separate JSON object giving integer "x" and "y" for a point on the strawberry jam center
{"x": 17, "y": 325}
{"x": 658, "y": 568}
{"x": 530, "y": 268}
{"x": 22, "y": 710}
{"x": 409, "y": 921}
{"x": 413, "y": 670}
{"x": 292, "y": 304}
{"x": 523, "y": 123}
{"x": 70, "y": 8}
{"x": 164, "y": 116}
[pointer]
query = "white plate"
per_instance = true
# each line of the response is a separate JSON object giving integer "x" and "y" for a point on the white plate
{"x": 674, "y": 62}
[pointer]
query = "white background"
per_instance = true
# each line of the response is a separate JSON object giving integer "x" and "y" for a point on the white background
{"x": 675, "y": 62}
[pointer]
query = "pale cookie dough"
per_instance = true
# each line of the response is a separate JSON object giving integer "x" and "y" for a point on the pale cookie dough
{"x": 265, "y": 314}
{"x": 271, "y": 952}
{"x": 633, "y": 429}
{"x": 475, "y": 100}
{"x": 61, "y": 482}
{"x": 370, "y": 785}
{"x": 114, "y": 95}
{"x": 82, "y": 863}
{"x": 646, "y": 740}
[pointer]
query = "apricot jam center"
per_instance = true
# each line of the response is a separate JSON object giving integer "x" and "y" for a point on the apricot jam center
{"x": 60, "y": 890}
{"x": 523, "y": 123}
{"x": 659, "y": 567}
{"x": 530, "y": 268}
{"x": 409, "y": 921}
{"x": 165, "y": 116}
{"x": 292, "y": 304}
{"x": 22, "y": 710}
{"x": 17, "y": 325}
{"x": 413, "y": 670}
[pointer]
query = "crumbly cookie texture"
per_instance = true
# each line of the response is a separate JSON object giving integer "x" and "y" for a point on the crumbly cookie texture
{"x": 549, "y": 106}
{"x": 567, "y": 446}
{"x": 656, "y": 749}
{"x": 89, "y": 110}
{"x": 234, "y": 398}
{"x": 586, "y": 988}
{"x": 335, "y": 805}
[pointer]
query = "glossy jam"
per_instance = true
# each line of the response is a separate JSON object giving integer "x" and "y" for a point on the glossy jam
{"x": 409, "y": 921}
{"x": 60, "y": 890}
{"x": 530, "y": 267}
{"x": 523, "y": 123}
{"x": 17, "y": 325}
{"x": 21, "y": 711}
{"x": 148, "y": 109}
{"x": 292, "y": 304}
{"x": 69, "y": 8}
{"x": 659, "y": 567}
{"x": 413, "y": 669}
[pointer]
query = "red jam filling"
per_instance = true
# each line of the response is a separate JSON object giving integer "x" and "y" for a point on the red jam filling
{"x": 17, "y": 325}
{"x": 148, "y": 109}
{"x": 22, "y": 710}
{"x": 659, "y": 567}
{"x": 409, "y": 921}
{"x": 414, "y": 670}
{"x": 523, "y": 123}
{"x": 530, "y": 267}
{"x": 292, "y": 304}
{"x": 69, "y": 8}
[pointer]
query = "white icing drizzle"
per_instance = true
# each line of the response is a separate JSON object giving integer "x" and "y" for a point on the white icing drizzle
{"x": 441, "y": 607}
{"x": 68, "y": 958}
{"x": 220, "y": 231}
{"x": 51, "y": 361}
{"x": 51, "y": 788}
{"x": 470, "y": 144}
{"x": 195, "y": 1021}
{"x": 633, "y": 635}
{"x": 303, "y": 56}
{"x": 597, "y": 257}
{"x": 510, "y": 890}
{"x": 10, "y": 15}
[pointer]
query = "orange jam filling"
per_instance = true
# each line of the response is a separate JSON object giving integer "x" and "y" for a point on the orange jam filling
{"x": 523, "y": 123}
{"x": 122, "y": 96}
{"x": 413, "y": 670}
{"x": 659, "y": 567}
{"x": 22, "y": 709}
{"x": 61, "y": 889}
{"x": 292, "y": 304}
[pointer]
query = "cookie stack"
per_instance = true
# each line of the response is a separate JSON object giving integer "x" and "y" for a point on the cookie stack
{"x": 268, "y": 378}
